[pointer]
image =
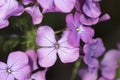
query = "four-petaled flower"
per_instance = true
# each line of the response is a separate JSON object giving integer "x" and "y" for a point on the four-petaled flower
{"x": 16, "y": 68}
{"x": 50, "y": 47}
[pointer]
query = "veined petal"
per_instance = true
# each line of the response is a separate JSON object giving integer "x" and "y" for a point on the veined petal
{"x": 3, "y": 75}
{"x": 88, "y": 20}
{"x": 47, "y": 56}
{"x": 35, "y": 13}
{"x": 91, "y": 9}
{"x": 45, "y": 36}
{"x": 65, "y": 5}
{"x": 68, "y": 55}
{"x": 66, "y": 52}
{"x": 22, "y": 73}
{"x": 20, "y": 60}
{"x": 86, "y": 33}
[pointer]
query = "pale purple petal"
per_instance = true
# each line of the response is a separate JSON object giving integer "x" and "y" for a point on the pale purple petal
{"x": 46, "y": 5}
{"x": 91, "y": 9}
{"x": 118, "y": 78}
{"x": 70, "y": 22}
{"x": 45, "y": 36}
{"x": 40, "y": 75}
{"x": 104, "y": 17}
{"x": 65, "y": 5}
{"x": 47, "y": 56}
{"x": 34, "y": 11}
{"x": 3, "y": 75}
{"x": 109, "y": 74}
{"x": 110, "y": 64}
{"x": 3, "y": 23}
{"x": 91, "y": 62}
{"x": 2, "y": 2}
{"x": 102, "y": 78}
{"x": 85, "y": 74}
{"x": 87, "y": 20}
{"x": 20, "y": 60}
{"x": 3, "y": 66}
{"x": 26, "y": 2}
{"x": 33, "y": 58}
{"x": 66, "y": 52}
{"x": 22, "y": 73}
{"x": 10, "y": 8}
{"x": 10, "y": 77}
{"x": 79, "y": 5}
{"x": 95, "y": 48}
{"x": 86, "y": 33}
{"x": 111, "y": 58}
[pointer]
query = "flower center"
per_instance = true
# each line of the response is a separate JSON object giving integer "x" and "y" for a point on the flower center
{"x": 9, "y": 71}
{"x": 56, "y": 46}
{"x": 78, "y": 29}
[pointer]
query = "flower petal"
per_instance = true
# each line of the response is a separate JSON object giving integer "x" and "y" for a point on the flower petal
{"x": 66, "y": 52}
{"x": 65, "y": 5}
{"x": 85, "y": 74}
{"x": 20, "y": 60}
{"x": 46, "y": 5}
{"x": 91, "y": 9}
{"x": 87, "y": 20}
{"x": 26, "y": 2}
{"x": 22, "y": 73}
{"x": 33, "y": 58}
{"x": 45, "y": 36}
{"x": 3, "y": 66}
{"x": 34, "y": 11}
{"x": 86, "y": 33}
{"x": 47, "y": 56}
{"x": 40, "y": 75}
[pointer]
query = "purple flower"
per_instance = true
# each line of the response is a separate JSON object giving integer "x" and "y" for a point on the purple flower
{"x": 55, "y": 5}
{"x": 9, "y": 8}
{"x": 85, "y": 74}
{"x": 109, "y": 64}
{"x": 90, "y": 12}
{"x": 39, "y": 75}
{"x": 34, "y": 11}
{"x": 78, "y": 30}
{"x": 16, "y": 68}
{"x": 92, "y": 51}
{"x": 50, "y": 47}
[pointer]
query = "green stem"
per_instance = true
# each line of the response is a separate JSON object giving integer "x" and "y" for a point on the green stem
{"x": 59, "y": 31}
{"x": 75, "y": 70}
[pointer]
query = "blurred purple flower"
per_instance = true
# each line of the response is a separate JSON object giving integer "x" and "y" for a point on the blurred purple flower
{"x": 39, "y": 75}
{"x": 78, "y": 30}
{"x": 109, "y": 64}
{"x": 34, "y": 11}
{"x": 50, "y": 47}
{"x": 9, "y": 8}
{"x": 17, "y": 67}
{"x": 57, "y": 5}
{"x": 90, "y": 12}
{"x": 92, "y": 51}
{"x": 85, "y": 74}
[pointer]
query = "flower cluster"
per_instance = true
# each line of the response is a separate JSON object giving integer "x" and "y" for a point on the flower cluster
{"x": 78, "y": 30}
